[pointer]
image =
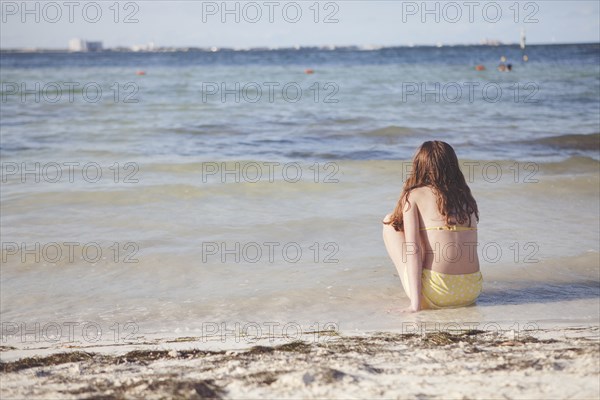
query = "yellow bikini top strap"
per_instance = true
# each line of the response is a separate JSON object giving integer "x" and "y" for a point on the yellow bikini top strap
{"x": 453, "y": 228}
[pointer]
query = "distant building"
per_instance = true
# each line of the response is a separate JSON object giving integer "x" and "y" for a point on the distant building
{"x": 76, "y": 45}
{"x": 94, "y": 46}
{"x": 144, "y": 47}
{"x": 491, "y": 42}
{"x": 84, "y": 45}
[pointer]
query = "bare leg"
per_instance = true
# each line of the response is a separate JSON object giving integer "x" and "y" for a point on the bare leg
{"x": 394, "y": 243}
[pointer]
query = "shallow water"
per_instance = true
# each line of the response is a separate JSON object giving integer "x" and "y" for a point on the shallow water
{"x": 299, "y": 188}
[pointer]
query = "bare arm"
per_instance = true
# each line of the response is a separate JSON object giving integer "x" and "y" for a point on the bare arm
{"x": 413, "y": 250}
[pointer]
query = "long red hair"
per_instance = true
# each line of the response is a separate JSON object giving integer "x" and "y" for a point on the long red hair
{"x": 435, "y": 165}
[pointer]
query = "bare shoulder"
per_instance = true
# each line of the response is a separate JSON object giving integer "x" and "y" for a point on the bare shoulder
{"x": 422, "y": 198}
{"x": 420, "y": 194}
{"x": 413, "y": 199}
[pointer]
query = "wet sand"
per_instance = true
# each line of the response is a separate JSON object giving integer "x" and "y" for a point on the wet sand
{"x": 468, "y": 364}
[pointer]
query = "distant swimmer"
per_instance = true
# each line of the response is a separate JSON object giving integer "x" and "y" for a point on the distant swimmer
{"x": 480, "y": 67}
{"x": 309, "y": 71}
{"x": 503, "y": 67}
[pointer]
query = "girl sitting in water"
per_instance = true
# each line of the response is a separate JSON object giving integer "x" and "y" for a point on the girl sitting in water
{"x": 432, "y": 234}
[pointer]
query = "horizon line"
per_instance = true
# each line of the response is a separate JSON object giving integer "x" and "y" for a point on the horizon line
{"x": 371, "y": 47}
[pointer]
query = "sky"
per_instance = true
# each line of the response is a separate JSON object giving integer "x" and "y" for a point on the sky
{"x": 245, "y": 24}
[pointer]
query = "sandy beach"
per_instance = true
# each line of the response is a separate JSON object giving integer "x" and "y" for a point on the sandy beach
{"x": 467, "y": 364}
{"x": 192, "y": 197}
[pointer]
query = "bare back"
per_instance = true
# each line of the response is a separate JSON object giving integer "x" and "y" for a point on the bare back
{"x": 445, "y": 251}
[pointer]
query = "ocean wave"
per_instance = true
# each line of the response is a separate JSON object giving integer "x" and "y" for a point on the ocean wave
{"x": 571, "y": 141}
{"x": 572, "y": 165}
{"x": 390, "y": 131}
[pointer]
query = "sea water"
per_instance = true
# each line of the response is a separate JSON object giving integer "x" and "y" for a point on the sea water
{"x": 222, "y": 189}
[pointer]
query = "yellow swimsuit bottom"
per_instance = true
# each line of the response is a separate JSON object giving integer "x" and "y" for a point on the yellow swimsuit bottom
{"x": 447, "y": 291}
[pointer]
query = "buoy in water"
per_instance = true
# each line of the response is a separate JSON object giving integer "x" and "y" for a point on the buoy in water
{"x": 309, "y": 71}
{"x": 479, "y": 67}
{"x": 140, "y": 72}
